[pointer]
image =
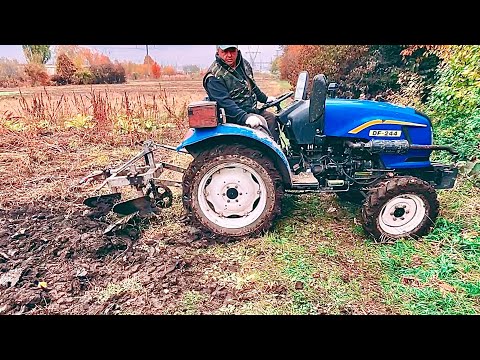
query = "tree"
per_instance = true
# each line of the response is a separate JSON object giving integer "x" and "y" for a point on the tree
{"x": 274, "y": 68}
{"x": 73, "y": 52}
{"x": 156, "y": 71}
{"x": 82, "y": 56}
{"x": 169, "y": 70}
{"x": 191, "y": 69}
{"x": 148, "y": 60}
{"x": 38, "y": 54}
{"x": 65, "y": 68}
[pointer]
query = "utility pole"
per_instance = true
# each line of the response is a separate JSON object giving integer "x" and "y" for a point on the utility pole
{"x": 277, "y": 50}
{"x": 252, "y": 57}
{"x": 148, "y": 63}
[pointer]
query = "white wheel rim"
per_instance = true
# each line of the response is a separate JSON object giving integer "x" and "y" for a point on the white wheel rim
{"x": 229, "y": 196}
{"x": 402, "y": 214}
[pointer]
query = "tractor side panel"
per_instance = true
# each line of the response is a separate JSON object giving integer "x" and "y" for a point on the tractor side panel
{"x": 371, "y": 120}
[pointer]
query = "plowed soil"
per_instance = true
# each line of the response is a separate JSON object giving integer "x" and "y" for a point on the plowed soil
{"x": 54, "y": 256}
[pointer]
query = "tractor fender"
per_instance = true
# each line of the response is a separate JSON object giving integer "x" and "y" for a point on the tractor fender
{"x": 198, "y": 138}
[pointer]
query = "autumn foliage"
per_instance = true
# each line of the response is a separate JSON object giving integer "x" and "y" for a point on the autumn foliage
{"x": 65, "y": 69}
{"x": 108, "y": 73}
{"x": 78, "y": 65}
{"x": 442, "y": 51}
{"x": 156, "y": 71}
{"x": 82, "y": 56}
{"x": 37, "y": 74}
{"x": 169, "y": 70}
{"x": 343, "y": 64}
{"x": 367, "y": 71}
{"x": 334, "y": 61}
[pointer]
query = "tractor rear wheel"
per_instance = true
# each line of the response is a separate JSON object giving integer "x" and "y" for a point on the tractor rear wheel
{"x": 232, "y": 190}
{"x": 403, "y": 206}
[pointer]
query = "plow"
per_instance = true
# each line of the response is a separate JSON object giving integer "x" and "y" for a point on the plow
{"x": 142, "y": 173}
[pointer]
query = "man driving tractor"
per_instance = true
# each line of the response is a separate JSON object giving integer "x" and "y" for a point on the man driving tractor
{"x": 229, "y": 81}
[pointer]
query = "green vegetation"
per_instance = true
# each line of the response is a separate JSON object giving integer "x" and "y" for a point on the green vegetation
{"x": 441, "y": 273}
{"x": 454, "y": 103}
{"x": 38, "y": 54}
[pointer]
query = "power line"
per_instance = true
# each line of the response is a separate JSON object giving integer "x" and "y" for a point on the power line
{"x": 252, "y": 57}
{"x": 117, "y": 47}
{"x": 148, "y": 62}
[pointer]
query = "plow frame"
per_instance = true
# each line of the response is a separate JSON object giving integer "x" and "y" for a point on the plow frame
{"x": 137, "y": 176}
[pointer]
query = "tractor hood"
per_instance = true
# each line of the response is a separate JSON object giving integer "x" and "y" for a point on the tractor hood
{"x": 368, "y": 105}
{"x": 355, "y": 118}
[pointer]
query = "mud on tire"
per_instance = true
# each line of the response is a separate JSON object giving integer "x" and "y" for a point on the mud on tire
{"x": 223, "y": 177}
{"x": 403, "y": 206}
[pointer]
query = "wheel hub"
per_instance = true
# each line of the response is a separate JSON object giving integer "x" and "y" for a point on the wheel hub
{"x": 402, "y": 214}
{"x": 232, "y": 191}
{"x": 399, "y": 212}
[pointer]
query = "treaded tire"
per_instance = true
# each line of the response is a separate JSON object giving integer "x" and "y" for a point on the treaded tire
{"x": 242, "y": 155}
{"x": 392, "y": 189}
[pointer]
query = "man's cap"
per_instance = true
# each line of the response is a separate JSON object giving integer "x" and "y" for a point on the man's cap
{"x": 224, "y": 47}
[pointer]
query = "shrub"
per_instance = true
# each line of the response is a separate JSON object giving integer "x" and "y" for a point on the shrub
{"x": 169, "y": 70}
{"x": 454, "y": 101}
{"x": 156, "y": 71}
{"x": 359, "y": 70}
{"x": 37, "y": 74}
{"x": 108, "y": 73}
{"x": 83, "y": 77}
{"x": 11, "y": 73}
{"x": 65, "y": 69}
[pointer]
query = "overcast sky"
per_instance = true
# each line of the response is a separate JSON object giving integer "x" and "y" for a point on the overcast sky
{"x": 176, "y": 55}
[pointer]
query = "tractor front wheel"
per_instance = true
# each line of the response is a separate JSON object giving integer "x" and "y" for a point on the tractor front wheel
{"x": 232, "y": 190}
{"x": 403, "y": 206}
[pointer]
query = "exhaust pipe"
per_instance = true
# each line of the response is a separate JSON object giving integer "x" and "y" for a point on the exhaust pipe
{"x": 434, "y": 147}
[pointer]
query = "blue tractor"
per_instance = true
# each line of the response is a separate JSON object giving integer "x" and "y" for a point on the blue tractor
{"x": 373, "y": 153}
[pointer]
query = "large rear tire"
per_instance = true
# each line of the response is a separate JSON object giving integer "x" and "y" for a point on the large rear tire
{"x": 400, "y": 207}
{"x": 232, "y": 190}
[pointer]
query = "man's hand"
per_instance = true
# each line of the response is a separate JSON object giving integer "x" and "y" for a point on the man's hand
{"x": 253, "y": 121}
{"x": 271, "y": 99}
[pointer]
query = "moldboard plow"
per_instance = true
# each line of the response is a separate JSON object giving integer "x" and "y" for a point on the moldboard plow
{"x": 142, "y": 174}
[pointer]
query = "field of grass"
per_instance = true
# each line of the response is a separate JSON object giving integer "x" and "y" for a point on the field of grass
{"x": 315, "y": 260}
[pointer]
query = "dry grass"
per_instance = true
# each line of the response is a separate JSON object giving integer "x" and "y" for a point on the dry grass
{"x": 53, "y": 136}
{"x": 100, "y": 113}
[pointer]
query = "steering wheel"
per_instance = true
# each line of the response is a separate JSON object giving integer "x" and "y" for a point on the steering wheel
{"x": 277, "y": 101}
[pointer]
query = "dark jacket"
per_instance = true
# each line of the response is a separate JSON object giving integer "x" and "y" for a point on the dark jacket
{"x": 234, "y": 90}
